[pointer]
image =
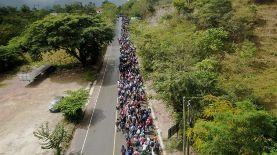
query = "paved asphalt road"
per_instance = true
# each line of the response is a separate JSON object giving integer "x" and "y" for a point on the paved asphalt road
{"x": 96, "y": 133}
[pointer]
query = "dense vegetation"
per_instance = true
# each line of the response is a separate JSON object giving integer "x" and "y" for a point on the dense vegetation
{"x": 12, "y": 23}
{"x": 141, "y": 9}
{"x": 72, "y": 105}
{"x": 81, "y": 36}
{"x": 52, "y": 139}
{"x": 27, "y": 31}
{"x": 188, "y": 54}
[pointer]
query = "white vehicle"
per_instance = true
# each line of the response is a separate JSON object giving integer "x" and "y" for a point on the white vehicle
{"x": 52, "y": 107}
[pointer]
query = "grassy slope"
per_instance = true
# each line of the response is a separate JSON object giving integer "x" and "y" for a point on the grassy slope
{"x": 261, "y": 74}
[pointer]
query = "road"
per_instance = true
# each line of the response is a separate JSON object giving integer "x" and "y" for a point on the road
{"x": 96, "y": 134}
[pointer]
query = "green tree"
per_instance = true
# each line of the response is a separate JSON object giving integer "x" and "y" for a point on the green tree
{"x": 81, "y": 36}
{"x": 75, "y": 7}
{"x": 57, "y": 8}
{"x": 182, "y": 6}
{"x": 210, "y": 42}
{"x": 51, "y": 139}
{"x": 179, "y": 5}
{"x": 71, "y": 106}
{"x": 210, "y": 13}
{"x": 247, "y": 50}
{"x": 25, "y": 9}
{"x": 138, "y": 8}
{"x": 234, "y": 129}
{"x": 109, "y": 11}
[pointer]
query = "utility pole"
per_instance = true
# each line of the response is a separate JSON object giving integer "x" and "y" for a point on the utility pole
{"x": 187, "y": 121}
{"x": 184, "y": 126}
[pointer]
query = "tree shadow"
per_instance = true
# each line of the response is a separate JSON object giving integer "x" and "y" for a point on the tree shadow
{"x": 7, "y": 75}
{"x": 269, "y": 102}
{"x": 98, "y": 116}
{"x": 264, "y": 2}
{"x": 79, "y": 75}
{"x": 37, "y": 81}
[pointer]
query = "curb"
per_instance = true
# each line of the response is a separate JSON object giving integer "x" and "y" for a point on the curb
{"x": 90, "y": 87}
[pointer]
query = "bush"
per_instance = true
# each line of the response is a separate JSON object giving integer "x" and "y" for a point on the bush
{"x": 138, "y": 8}
{"x": 8, "y": 58}
{"x": 248, "y": 50}
{"x": 210, "y": 13}
{"x": 238, "y": 129}
{"x": 72, "y": 105}
{"x": 241, "y": 25}
{"x": 210, "y": 42}
{"x": 51, "y": 139}
{"x": 238, "y": 91}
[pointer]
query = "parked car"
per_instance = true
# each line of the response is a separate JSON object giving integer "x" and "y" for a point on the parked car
{"x": 52, "y": 107}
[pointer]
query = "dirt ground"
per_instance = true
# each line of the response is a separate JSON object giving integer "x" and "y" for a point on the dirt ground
{"x": 23, "y": 109}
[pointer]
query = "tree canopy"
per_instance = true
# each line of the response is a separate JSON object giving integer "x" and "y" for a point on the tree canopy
{"x": 234, "y": 129}
{"x": 210, "y": 13}
{"x": 81, "y": 36}
{"x": 110, "y": 11}
{"x": 191, "y": 54}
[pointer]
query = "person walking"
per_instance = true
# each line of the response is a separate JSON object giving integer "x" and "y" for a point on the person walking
{"x": 123, "y": 150}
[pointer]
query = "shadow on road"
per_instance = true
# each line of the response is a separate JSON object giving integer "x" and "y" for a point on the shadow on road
{"x": 98, "y": 116}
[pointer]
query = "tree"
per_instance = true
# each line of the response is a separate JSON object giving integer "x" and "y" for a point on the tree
{"x": 138, "y": 8}
{"x": 57, "y": 8}
{"x": 51, "y": 139}
{"x": 71, "y": 105}
{"x": 9, "y": 57}
{"x": 25, "y": 9}
{"x": 179, "y": 5}
{"x": 182, "y": 6}
{"x": 234, "y": 129}
{"x": 247, "y": 50}
{"x": 210, "y": 42}
{"x": 109, "y": 11}
{"x": 81, "y": 36}
{"x": 74, "y": 7}
{"x": 210, "y": 13}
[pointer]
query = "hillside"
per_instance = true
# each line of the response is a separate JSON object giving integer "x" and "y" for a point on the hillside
{"x": 261, "y": 75}
{"x": 221, "y": 56}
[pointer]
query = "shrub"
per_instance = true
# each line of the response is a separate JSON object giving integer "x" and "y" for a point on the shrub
{"x": 209, "y": 64}
{"x": 241, "y": 25}
{"x": 210, "y": 13}
{"x": 72, "y": 105}
{"x": 210, "y": 42}
{"x": 239, "y": 91}
{"x": 51, "y": 139}
{"x": 248, "y": 50}
{"x": 241, "y": 129}
{"x": 8, "y": 58}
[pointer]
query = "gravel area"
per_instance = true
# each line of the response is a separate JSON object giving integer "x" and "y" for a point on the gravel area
{"x": 23, "y": 109}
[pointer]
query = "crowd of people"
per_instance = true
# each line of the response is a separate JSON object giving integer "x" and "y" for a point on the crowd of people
{"x": 134, "y": 119}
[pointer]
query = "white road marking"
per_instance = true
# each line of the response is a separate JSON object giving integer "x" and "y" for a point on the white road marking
{"x": 114, "y": 137}
{"x": 90, "y": 93}
{"x": 102, "y": 79}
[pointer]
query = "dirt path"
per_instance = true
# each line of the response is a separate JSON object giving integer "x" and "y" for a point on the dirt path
{"x": 23, "y": 109}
